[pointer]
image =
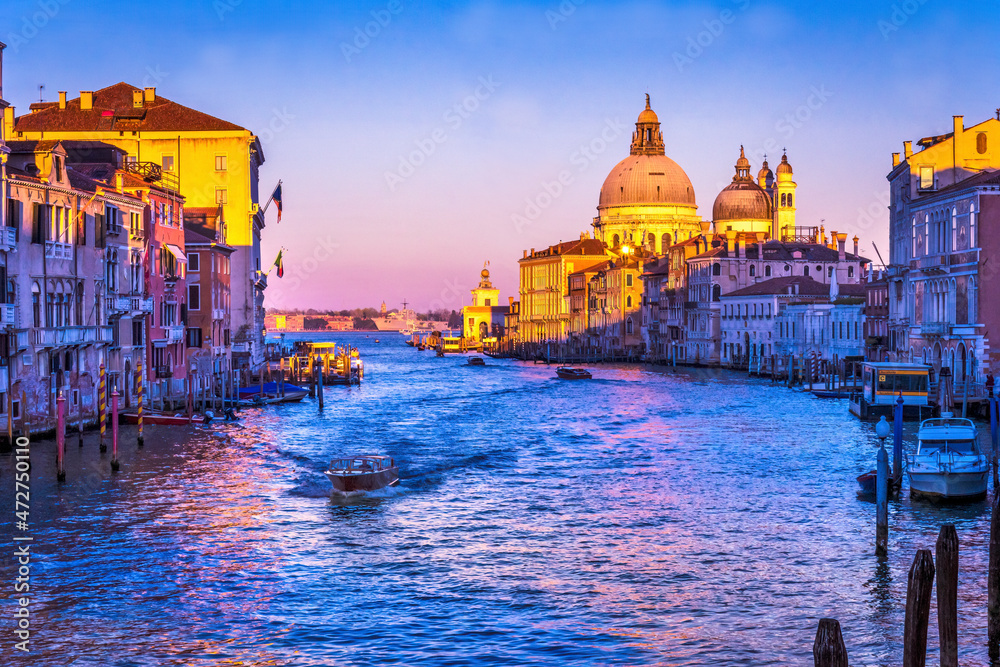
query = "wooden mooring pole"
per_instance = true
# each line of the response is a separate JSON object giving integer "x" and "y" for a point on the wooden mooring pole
{"x": 993, "y": 582}
{"x": 114, "y": 430}
{"x": 919, "y": 584}
{"x": 947, "y": 594}
{"x": 829, "y": 649}
{"x": 102, "y": 405}
{"x": 60, "y": 438}
{"x": 882, "y": 503}
{"x": 319, "y": 389}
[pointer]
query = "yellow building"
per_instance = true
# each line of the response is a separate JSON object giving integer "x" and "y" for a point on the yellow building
{"x": 647, "y": 199}
{"x": 544, "y": 288}
{"x": 216, "y": 163}
{"x": 483, "y": 320}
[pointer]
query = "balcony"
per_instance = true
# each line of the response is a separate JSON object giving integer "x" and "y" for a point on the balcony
{"x": 56, "y": 250}
{"x": 174, "y": 334}
{"x": 932, "y": 263}
{"x": 163, "y": 372}
{"x": 58, "y": 336}
{"x": 171, "y": 279}
{"x": 935, "y": 328}
{"x": 141, "y": 305}
{"x": 8, "y": 239}
{"x": 23, "y": 339}
{"x": 152, "y": 172}
{"x": 117, "y": 305}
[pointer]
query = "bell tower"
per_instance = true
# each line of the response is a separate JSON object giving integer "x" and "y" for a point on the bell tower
{"x": 784, "y": 199}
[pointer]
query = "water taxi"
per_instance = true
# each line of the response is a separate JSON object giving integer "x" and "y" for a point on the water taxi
{"x": 948, "y": 463}
{"x": 476, "y": 361}
{"x": 883, "y": 383}
{"x": 366, "y": 472}
{"x": 567, "y": 373}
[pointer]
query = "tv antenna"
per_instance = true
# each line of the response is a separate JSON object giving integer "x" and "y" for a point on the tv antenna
{"x": 405, "y": 304}
{"x": 41, "y": 87}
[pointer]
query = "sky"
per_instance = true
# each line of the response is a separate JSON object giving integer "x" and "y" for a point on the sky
{"x": 417, "y": 140}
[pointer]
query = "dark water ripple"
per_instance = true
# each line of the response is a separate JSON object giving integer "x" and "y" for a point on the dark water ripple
{"x": 645, "y": 517}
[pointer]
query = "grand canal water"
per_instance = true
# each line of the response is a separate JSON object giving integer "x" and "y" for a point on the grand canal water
{"x": 645, "y": 517}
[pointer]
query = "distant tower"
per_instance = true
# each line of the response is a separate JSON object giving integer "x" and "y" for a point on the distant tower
{"x": 784, "y": 199}
{"x": 385, "y": 314}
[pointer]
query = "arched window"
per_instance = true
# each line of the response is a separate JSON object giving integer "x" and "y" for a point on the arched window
{"x": 615, "y": 241}
{"x": 50, "y": 315}
{"x": 850, "y": 272}
{"x": 767, "y": 271}
{"x": 716, "y": 269}
{"x": 805, "y": 270}
{"x": 628, "y": 301}
{"x": 36, "y": 305}
{"x": 789, "y": 198}
{"x": 79, "y": 304}
{"x": 628, "y": 325}
{"x": 981, "y": 143}
{"x": 665, "y": 241}
{"x": 753, "y": 270}
{"x": 716, "y": 292}
{"x": 782, "y": 198}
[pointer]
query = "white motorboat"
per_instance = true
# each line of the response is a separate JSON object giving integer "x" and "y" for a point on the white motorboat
{"x": 948, "y": 463}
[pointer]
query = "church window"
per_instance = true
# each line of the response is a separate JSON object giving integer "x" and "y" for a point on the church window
{"x": 487, "y": 302}
{"x": 615, "y": 241}
{"x": 789, "y": 198}
{"x": 782, "y": 198}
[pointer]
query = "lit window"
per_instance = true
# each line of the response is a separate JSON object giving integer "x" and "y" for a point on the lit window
{"x": 168, "y": 163}
{"x": 926, "y": 178}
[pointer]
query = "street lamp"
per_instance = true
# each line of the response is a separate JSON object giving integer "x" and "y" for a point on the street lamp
{"x": 882, "y": 430}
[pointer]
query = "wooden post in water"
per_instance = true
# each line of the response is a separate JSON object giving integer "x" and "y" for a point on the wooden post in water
{"x": 138, "y": 370}
{"x": 918, "y": 609}
{"x": 947, "y": 594}
{"x": 320, "y": 387}
{"x": 312, "y": 382}
{"x": 114, "y": 430}
{"x": 993, "y": 581}
{"x": 60, "y": 437}
{"x": 829, "y": 649}
{"x": 190, "y": 398}
{"x": 897, "y": 443}
{"x": 994, "y": 416}
{"x": 882, "y": 503}
{"x": 25, "y": 428}
{"x": 102, "y": 407}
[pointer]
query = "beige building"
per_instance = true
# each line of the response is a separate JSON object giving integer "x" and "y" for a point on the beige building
{"x": 483, "y": 319}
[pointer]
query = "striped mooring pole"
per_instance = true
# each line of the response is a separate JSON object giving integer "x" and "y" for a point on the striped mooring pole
{"x": 102, "y": 404}
{"x": 138, "y": 369}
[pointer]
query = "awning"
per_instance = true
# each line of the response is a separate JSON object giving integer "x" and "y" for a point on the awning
{"x": 176, "y": 252}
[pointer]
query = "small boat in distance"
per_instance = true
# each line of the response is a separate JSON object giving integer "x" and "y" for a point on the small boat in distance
{"x": 366, "y": 472}
{"x": 476, "y": 361}
{"x": 567, "y": 373}
{"x": 948, "y": 463}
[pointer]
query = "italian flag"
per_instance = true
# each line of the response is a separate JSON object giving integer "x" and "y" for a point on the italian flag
{"x": 281, "y": 267}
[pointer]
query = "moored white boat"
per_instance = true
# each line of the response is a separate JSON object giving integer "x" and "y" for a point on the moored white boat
{"x": 948, "y": 463}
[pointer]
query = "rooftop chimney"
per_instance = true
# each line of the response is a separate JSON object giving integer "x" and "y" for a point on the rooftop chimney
{"x": 895, "y": 159}
{"x": 959, "y": 125}
{"x": 150, "y": 95}
{"x": 525, "y": 255}
{"x": 841, "y": 247}
{"x": 62, "y": 99}
{"x": 907, "y": 149}
{"x": 86, "y": 100}
{"x": 856, "y": 239}
{"x": 8, "y": 122}
{"x": 833, "y": 240}
{"x": 741, "y": 245}
{"x": 136, "y": 99}
{"x": 2, "y": 47}
{"x": 731, "y": 243}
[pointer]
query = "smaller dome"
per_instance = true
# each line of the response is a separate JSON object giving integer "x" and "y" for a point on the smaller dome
{"x": 647, "y": 115}
{"x": 742, "y": 162}
{"x": 765, "y": 175}
{"x": 784, "y": 167}
{"x": 742, "y": 200}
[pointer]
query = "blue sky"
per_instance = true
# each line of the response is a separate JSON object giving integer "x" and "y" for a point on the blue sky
{"x": 345, "y": 115}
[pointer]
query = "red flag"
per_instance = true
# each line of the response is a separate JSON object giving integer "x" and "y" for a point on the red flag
{"x": 277, "y": 199}
{"x": 279, "y": 264}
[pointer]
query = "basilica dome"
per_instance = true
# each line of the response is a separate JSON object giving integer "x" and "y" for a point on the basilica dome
{"x": 742, "y": 199}
{"x": 647, "y": 175}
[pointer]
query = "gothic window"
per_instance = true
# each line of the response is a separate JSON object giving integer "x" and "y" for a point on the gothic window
{"x": 36, "y": 306}
{"x": 628, "y": 326}
{"x": 753, "y": 270}
{"x": 716, "y": 269}
{"x": 767, "y": 271}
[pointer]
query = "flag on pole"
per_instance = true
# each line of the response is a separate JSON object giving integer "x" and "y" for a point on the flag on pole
{"x": 277, "y": 263}
{"x": 277, "y": 199}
